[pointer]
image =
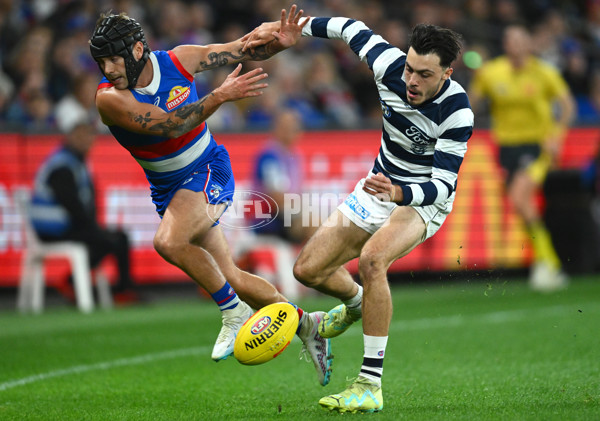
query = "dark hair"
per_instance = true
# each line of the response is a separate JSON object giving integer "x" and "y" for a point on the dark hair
{"x": 432, "y": 39}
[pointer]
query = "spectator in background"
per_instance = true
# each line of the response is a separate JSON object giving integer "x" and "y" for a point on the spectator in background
{"x": 70, "y": 57}
{"x": 32, "y": 110}
{"x": 228, "y": 115}
{"x": 522, "y": 91}
{"x": 6, "y": 91}
{"x": 331, "y": 93}
{"x": 194, "y": 22}
{"x": 171, "y": 24}
{"x": 296, "y": 95}
{"x": 478, "y": 26}
{"x": 79, "y": 103}
{"x": 32, "y": 107}
{"x": 29, "y": 59}
{"x": 259, "y": 114}
{"x": 278, "y": 171}
{"x": 63, "y": 207}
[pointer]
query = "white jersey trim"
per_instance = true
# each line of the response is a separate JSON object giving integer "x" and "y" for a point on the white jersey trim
{"x": 152, "y": 88}
{"x": 180, "y": 161}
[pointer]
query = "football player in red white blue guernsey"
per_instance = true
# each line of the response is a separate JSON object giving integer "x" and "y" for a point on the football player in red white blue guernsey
{"x": 402, "y": 201}
{"x": 149, "y": 102}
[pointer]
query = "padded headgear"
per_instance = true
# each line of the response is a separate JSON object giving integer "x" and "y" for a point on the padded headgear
{"x": 115, "y": 35}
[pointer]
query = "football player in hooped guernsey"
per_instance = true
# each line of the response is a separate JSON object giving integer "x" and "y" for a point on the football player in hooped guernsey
{"x": 404, "y": 199}
{"x": 149, "y": 102}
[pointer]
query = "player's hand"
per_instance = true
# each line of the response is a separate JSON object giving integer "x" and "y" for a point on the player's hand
{"x": 291, "y": 28}
{"x": 260, "y": 35}
{"x": 238, "y": 86}
{"x": 382, "y": 188}
{"x": 284, "y": 33}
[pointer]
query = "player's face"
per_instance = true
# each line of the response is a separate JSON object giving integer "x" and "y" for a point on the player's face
{"x": 114, "y": 69}
{"x": 424, "y": 76}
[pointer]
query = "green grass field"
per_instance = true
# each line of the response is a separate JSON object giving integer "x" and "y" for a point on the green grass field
{"x": 457, "y": 351}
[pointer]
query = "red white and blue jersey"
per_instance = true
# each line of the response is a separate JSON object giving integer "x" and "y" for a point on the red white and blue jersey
{"x": 422, "y": 147}
{"x": 167, "y": 162}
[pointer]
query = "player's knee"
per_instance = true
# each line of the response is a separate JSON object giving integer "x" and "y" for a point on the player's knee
{"x": 167, "y": 248}
{"x": 304, "y": 274}
{"x": 299, "y": 271}
{"x": 371, "y": 266}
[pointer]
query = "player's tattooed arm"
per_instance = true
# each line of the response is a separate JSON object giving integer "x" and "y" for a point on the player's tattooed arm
{"x": 263, "y": 52}
{"x": 178, "y": 122}
{"x": 223, "y": 58}
{"x": 149, "y": 119}
{"x": 262, "y": 43}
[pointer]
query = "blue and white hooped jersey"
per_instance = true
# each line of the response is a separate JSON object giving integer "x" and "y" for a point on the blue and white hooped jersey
{"x": 166, "y": 161}
{"x": 422, "y": 148}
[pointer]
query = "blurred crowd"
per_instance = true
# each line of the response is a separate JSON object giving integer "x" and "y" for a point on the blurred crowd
{"x": 48, "y": 78}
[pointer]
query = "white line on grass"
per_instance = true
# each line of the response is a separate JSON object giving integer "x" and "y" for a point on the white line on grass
{"x": 417, "y": 324}
{"x": 107, "y": 365}
{"x": 496, "y": 317}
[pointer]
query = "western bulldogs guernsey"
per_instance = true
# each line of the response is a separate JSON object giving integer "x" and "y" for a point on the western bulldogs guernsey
{"x": 171, "y": 163}
{"x": 421, "y": 148}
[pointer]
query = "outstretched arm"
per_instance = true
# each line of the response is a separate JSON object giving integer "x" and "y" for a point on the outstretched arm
{"x": 196, "y": 58}
{"x": 120, "y": 108}
{"x": 276, "y": 36}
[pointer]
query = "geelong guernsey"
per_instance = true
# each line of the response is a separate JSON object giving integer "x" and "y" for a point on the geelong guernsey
{"x": 422, "y": 148}
{"x": 166, "y": 161}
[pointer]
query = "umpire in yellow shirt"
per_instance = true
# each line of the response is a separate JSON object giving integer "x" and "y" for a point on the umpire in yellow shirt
{"x": 531, "y": 108}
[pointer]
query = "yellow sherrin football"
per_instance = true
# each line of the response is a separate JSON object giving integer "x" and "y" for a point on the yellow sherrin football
{"x": 266, "y": 334}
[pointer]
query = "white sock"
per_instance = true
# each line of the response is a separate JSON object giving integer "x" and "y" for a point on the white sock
{"x": 356, "y": 301}
{"x": 372, "y": 366}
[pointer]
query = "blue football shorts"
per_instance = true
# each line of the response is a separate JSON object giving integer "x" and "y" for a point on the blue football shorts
{"x": 212, "y": 176}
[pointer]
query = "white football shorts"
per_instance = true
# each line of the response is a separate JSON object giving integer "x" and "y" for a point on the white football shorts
{"x": 370, "y": 213}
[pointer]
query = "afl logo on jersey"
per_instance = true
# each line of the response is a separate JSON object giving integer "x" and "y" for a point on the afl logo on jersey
{"x": 177, "y": 96}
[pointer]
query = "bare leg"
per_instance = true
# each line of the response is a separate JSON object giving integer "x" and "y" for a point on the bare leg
{"x": 253, "y": 289}
{"x": 319, "y": 265}
{"x": 521, "y": 193}
{"x": 185, "y": 222}
{"x": 401, "y": 234}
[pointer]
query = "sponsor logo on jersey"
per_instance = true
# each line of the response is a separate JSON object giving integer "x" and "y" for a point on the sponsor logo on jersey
{"x": 419, "y": 140}
{"x": 177, "y": 96}
{"x": 352, "y": 202}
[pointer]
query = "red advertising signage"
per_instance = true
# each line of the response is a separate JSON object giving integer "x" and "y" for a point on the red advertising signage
{"x": 482, "y": 232}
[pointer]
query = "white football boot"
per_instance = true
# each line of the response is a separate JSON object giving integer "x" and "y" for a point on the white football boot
{"x": 233, "y": 320}
{"x": 316, "y": 348}
{"x": 544, "y": 278}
